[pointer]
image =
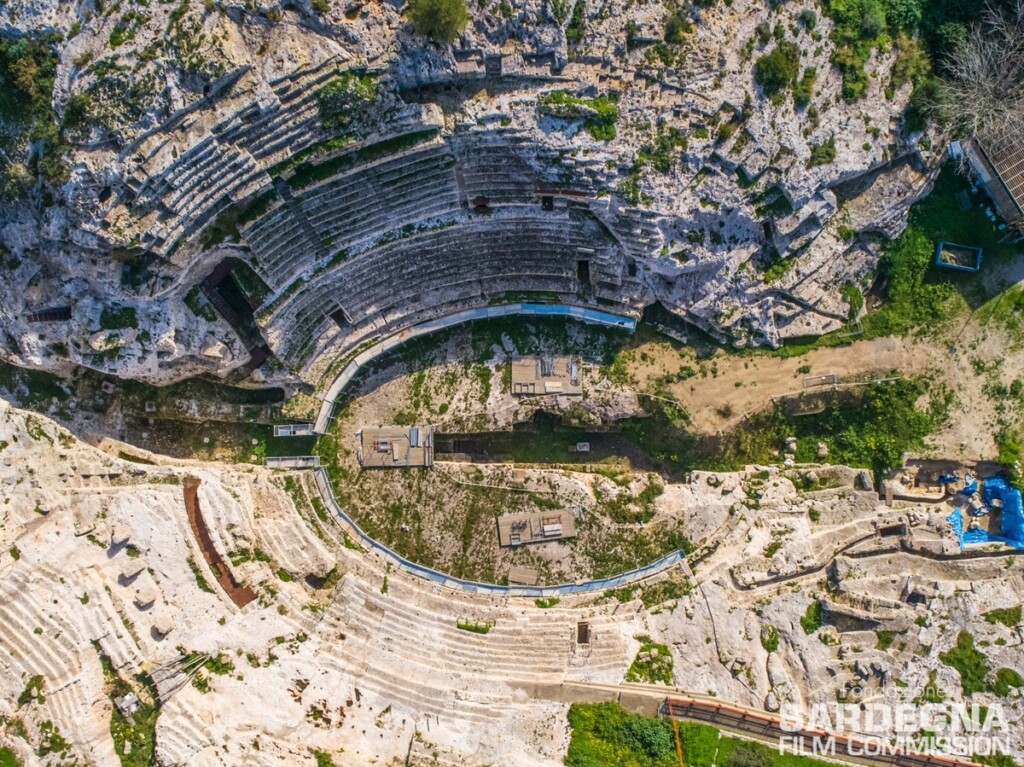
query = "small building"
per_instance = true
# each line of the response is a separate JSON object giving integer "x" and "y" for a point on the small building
{"x": 998, "y": 164}
{"x": 540, "y": 375}
{"x": 127, "y": 705}
{"x": 536, "y": 527}
{"x": 292, "y": 461}
{"x": 293, "y": 430}
{"x": 396, "y": 447}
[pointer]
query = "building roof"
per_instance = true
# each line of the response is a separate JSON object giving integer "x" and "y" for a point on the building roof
{"x": 547, "y": 375}
{"x": 1000, "y": 167}
{"x": 393, "y": 447}
{"x": 536, "y": 527}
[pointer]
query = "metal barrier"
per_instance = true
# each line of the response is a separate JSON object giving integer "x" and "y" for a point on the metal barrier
{"x": 592, "y": 316}
{"x": 327, "y": 495}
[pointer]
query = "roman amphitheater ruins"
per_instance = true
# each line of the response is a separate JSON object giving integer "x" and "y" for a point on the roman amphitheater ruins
{"x": 369, "y": 400}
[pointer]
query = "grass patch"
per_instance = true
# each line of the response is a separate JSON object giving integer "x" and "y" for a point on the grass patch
{"x": 653, "y": 663}
{"x": 33, "y": 691}
{"x": 599, "y": 114}
{"x": 234, "y": 217}
{"x": 921, "y": 297}
{"x": 473, "y": 627}
{"x": 1008, "y": 616}
{"x": 347, "y": 95}
{"x": 969, "y": 662}
{"x": 547, "y": 602}
{"x": 201, "y": 581}
{"x": 869, "y": 428}
{"x": 604, "y": 734}
{"x": 653, "y": 594}
{"x": 886, "y": 638}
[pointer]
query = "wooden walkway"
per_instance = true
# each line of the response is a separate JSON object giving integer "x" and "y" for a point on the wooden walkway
{"x": 240, "y": 595}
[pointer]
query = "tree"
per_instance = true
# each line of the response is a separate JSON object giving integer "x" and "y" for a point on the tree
{"x": 441, "y": 20}
{"x": 677, "y": 27}
{"x": 652, "y": 737}
{"x": 903, "y": 14}
{"x": 778, "y": 70}
{"x": 984, "y": 87}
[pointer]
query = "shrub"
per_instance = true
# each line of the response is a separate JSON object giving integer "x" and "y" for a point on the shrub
{"x": 1005, "y": 679}
{"x": 323, "y": 758}
{"x": 811, "y": 620}
{"x": 574, "y": 32}
{"x": 118, "y": 318}
{"x": 822, "y": 154}
{"x": 859, "y": 27}
{"x": 854, "y": 298}
{"x": 776, "y": 71}
{"x": 1008, "y": 616}
{"x": 804, "y": 90}
{"x": 912, "y": 63}
{"x": 662, "y": 155}
{"x": 770, "y": 638}
{"x": 903, "y": 14}
{"x": 923, "y": 104}
{"x": 31, "y": 143}
{"x": 677, "y": 27}
{"x": 440, "y": 20}
{"x": 473, "y": 626}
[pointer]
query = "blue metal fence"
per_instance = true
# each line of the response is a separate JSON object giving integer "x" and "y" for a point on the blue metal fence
{"x": 564, "y": 589}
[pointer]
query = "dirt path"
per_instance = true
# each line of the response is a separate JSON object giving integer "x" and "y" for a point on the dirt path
{"x": 730, "y": 385}
{"x": 726, "y": 385}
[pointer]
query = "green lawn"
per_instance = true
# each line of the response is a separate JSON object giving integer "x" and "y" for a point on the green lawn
{"x": 940, "y": 216}
{"x": 8, "y": 758}
{"x": 603, "y": 734}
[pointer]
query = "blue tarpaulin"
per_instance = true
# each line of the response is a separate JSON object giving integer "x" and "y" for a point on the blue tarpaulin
{"x": 1012, "y": 528}
{"x": 1011, "y": 520}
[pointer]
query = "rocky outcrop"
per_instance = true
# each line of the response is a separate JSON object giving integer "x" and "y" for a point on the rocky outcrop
{"x": 703, "y": 182}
